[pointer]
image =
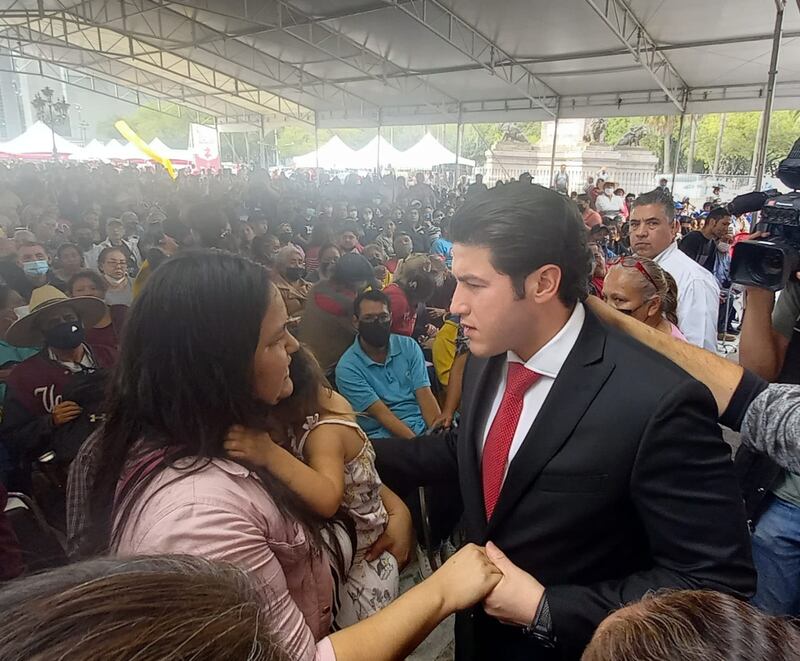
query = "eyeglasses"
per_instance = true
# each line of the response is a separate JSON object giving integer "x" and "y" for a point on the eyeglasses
{"x": 632, "y": 262}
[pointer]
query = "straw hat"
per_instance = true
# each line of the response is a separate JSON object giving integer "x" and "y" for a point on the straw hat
{"x": 24, "y": 331}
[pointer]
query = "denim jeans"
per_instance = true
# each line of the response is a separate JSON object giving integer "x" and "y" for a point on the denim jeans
{"x": 776, "y": 554}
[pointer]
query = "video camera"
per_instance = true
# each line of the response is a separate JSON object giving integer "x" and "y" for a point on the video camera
{"x": 769, "y": 263}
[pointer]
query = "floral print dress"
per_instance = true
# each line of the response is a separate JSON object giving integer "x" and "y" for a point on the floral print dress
{"x": 369, "y": 586}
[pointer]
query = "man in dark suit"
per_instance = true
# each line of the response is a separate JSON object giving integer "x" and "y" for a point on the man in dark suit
{"x": 595, "y": 466}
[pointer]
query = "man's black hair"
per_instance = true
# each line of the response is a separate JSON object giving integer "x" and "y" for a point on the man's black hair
{"x": 718, "y": 213}
{"x": 371, "y": 295}
{"x": 657, "y": 196}
{"x": 525, "y": 227}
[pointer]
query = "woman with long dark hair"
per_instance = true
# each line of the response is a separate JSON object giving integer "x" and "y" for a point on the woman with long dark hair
{"x": 206, "y": 348}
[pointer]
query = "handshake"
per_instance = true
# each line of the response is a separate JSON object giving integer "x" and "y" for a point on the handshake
{"x": 484, "y": 574}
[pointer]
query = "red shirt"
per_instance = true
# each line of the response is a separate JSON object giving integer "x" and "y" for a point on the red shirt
{"x": 404, "y": 316}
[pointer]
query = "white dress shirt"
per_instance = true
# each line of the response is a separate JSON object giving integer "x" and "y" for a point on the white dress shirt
{"x": 547, "y": 362}
{"x": 698, "y": 297}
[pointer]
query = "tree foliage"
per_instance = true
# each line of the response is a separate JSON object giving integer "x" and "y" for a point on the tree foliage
{"x": 149, "y": 124}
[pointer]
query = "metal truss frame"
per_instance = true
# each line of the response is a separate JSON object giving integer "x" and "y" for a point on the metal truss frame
{"x": 629, "y": 30}
{"x": 455, "y": 31}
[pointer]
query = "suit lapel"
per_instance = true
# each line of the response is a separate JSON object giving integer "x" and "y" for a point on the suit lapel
{"x": 580, "y": 379}
{"x": 480, "y": 383}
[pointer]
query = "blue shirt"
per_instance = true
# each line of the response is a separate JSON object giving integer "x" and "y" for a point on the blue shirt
{"x": 363, "y": 382}
{"x": 444, "y": 248}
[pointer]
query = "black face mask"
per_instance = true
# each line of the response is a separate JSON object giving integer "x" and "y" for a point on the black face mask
{"x": 285, "y": 237}
{"x": 295, "y": 273}
{"x": 376, "y": 261}
{"x": 67, "y": 335}
{"x": 375, "y": 333}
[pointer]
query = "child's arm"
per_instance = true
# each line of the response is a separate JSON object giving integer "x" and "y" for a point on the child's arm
{"x": 320, "y": 484}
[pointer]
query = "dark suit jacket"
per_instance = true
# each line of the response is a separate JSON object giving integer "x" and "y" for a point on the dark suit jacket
{"x": 623, "y": 485}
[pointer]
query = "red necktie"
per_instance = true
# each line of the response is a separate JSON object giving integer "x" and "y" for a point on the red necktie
{"x": 501, "y": 433}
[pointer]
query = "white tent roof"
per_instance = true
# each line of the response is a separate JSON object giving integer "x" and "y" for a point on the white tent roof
{"x": 177, "y": 156}
{"x": 429, "y": 152}
{"x": 94, "y": 151}
{"x": 334, "y": 155}
{"x": 37, "y": 142}
{"x": 114, "y": 150}
{"x": 367, "y": 157}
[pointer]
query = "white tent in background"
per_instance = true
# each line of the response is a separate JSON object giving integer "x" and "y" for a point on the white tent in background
{"x": 334, "y": 155}
{"x": 94, "y": 151}
{"x": 131, "y": 153}
{"x": 177, "y": 156}
{"x": 36, "y": 143}
{"x": 367, "y": 157}
{"x": 427, "y": 153}
{"x": 114, "y": 150}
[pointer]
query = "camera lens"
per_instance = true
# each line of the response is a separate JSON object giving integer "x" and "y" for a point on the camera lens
{"x": 771, "y": 263}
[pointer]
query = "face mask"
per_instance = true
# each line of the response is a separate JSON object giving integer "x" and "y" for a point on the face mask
{"x": 375, "y": 333}
{"x": 326, "y": 269}
{"x": 115, "y": 281}
{"x": 375, "y": 261}
{"x": 608, "y": 191}
{"x": 39, "y": 267}
{"x": 285, "y": 237}
{"x": 295, "y": 273}
{"x": 67, "y": 335}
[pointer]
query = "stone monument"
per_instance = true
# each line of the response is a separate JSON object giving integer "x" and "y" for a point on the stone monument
{"x": 581, "y": 146}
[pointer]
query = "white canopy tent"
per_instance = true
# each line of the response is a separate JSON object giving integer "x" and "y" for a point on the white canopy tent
{"x": 333, "y": 155}
{"x": 378, "y": 152}
{"x": 429, "y": 152}
{"x": 36, "y": 143}
{"x": 115, "y": 150}
{"x": 177, "y": 156}
{"x": 94, "y": 151}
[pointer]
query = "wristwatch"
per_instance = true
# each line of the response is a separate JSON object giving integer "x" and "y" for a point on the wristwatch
{"x": 541, "y": 627}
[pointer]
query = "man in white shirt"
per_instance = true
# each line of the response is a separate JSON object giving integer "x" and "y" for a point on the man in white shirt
{"x": 652, "y": 230}
{"x": 609, "y": 205}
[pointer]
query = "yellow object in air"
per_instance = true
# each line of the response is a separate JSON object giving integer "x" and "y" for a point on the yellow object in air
{"x": 130, "y": 135}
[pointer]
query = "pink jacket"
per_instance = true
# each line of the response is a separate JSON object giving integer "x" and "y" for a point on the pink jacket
{"x": 222, "y": 512}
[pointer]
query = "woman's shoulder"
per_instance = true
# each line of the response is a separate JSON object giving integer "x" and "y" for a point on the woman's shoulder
{"x": 334, "y": 406}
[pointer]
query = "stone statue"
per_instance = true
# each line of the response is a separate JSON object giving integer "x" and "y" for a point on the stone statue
{"x": 595, "y": 130}
{"x": 512, "y": 133}
{"x": 633, "y": 137}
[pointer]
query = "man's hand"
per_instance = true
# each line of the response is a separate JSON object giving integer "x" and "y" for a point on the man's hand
{"x": 516, "y": 597}
{"x": 443, "y": 421}
{"x": 398, "y": 538}
{"x": 65, "y": 412}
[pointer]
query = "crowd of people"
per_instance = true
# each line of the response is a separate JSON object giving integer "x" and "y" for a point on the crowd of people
{"x": 239, "y": 399}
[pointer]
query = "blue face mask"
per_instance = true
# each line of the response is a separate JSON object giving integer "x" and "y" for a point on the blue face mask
{"x": 39, "y": 267}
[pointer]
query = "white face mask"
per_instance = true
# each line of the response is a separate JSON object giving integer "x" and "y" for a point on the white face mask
{"x": 115, "y": 281}
{"x": 608, "y": 191}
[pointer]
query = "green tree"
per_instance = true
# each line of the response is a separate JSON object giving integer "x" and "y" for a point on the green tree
{"x": 149, "y": 124}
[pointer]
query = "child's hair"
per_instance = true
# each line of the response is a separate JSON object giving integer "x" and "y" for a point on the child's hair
{"x": 309, "y": 384}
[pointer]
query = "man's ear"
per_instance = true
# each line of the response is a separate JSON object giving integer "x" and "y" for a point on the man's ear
{"x": 543, "y": 284}
{"x": 355, "y": 322}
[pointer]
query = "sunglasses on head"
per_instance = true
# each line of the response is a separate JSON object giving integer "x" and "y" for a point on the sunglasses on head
{"x": 632, "y": 262}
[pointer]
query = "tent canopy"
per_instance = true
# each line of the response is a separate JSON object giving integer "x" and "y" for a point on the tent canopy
{"x": 379, "y": 148}
{"x": 391, "y": 62}
{"x": 37, "y": 143}
{"x": 333, "y": 155}
{"x": 429, "y": 152}
{"x": 177, "y": 156}
{"x": 94, "y": 151}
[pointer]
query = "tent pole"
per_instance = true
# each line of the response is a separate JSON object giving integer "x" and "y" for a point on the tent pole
{"x": 380, "y": 117}
{"x": 316, "y": 146}
{"x": 555, "y": 139}
{"x": 678, "y": 146}
{"x": 458, "y": 146}
{"x": 773, "y": 71}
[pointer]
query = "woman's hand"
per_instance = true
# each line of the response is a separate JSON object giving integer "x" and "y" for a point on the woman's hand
{"x": 465, "y": 579}
{"x": 248, "y": 445}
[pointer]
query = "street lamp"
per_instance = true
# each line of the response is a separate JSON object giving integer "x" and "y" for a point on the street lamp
{"x": 50, "y": 112}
